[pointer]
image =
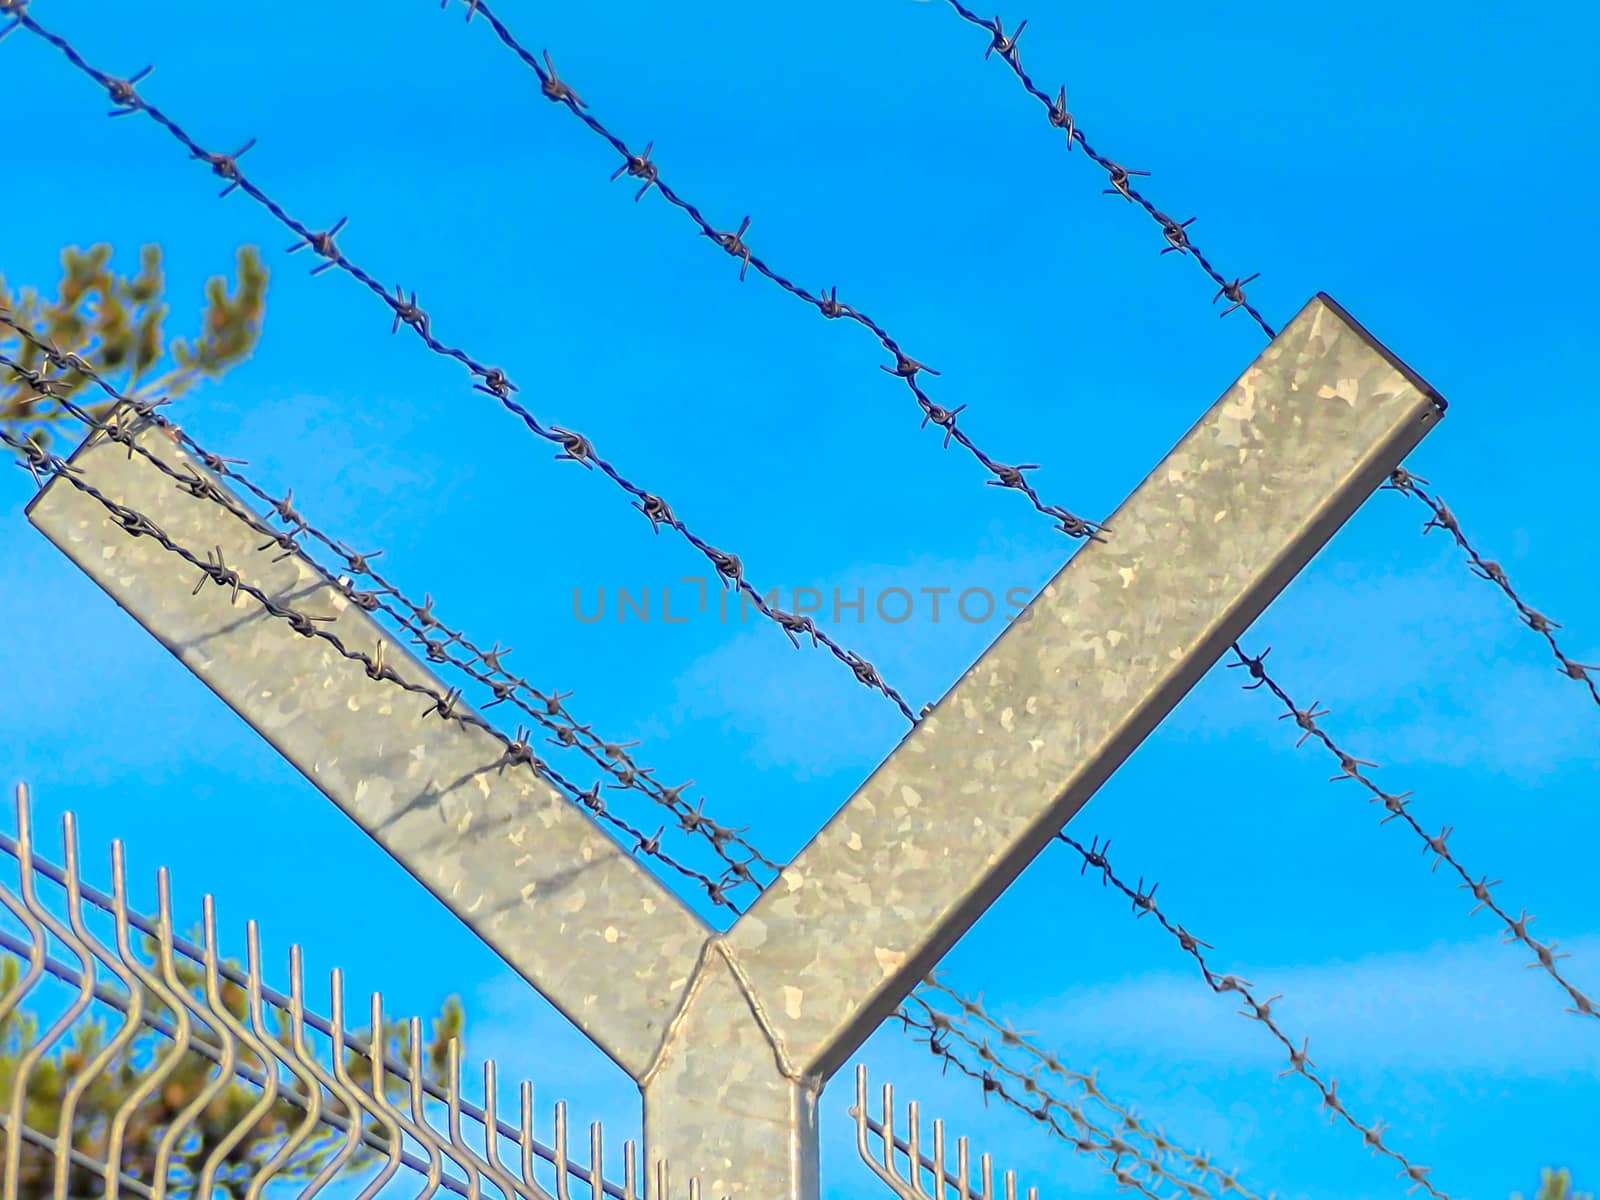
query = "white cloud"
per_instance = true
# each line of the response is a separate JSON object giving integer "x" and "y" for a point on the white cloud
{"x": 1451, "y": 1008}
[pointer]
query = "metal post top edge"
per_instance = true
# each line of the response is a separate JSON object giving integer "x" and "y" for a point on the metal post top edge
{"x": 142, "y": 423}
{"x": 1428, "y": 391}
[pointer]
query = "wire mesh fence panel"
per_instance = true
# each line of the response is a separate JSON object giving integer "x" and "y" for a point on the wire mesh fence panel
{"x": 135, "y": 1060}
{"x": 909, "y": 1173}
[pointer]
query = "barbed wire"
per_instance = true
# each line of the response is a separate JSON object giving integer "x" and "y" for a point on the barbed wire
{"x": 971, "y": 1008}
{"x": 941, "y": 1026}
{"x": 1487, "y": 569}
{"x": 40, "y": 461}
{"x": 933, "y": 1030}
{"x": 1144, "y": 904}
{"x": 429, "y": 632}
{"x": 493, "y": 381}
{"x": 575, "y": 447}
{"x": 1398, "y": 807}
{"x": 1178, "y": 240}
{"x": 640, "y": 165}
{"x": 447, "y": 705}
{"x": 1175, "y": 233}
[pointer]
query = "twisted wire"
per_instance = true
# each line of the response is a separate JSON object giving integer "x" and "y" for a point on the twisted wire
{"x": 1487, "y": 569}
{"x": 640, "y": 165}
{"x": 491, "y": 380}
{"x": 447, "y": 705}
{"x": 1175, "y": 233}
{"x": 1144, "y": 904}
{"x": 1398, "y": 807}
{"x": 546, "y": 709}
{"x": 970, "y": 1009}
{"x": 933, "y": 1030}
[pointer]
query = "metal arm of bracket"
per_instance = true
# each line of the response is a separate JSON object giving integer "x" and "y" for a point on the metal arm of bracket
{"x": 527, "y": 869}
{"x": 1077, "y": 681}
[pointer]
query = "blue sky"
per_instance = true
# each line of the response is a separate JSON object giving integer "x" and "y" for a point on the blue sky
{"x": 1420, "y": 163}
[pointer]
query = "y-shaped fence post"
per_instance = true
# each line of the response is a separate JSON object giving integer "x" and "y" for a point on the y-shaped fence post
{"x": 732, "y": 1036}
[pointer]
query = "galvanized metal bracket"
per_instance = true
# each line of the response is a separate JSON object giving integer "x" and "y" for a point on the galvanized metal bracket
{"x": 732, "y": 1036}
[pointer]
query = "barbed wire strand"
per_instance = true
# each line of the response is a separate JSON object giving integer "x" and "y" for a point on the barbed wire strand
{"x": 936, "y": 1031}
{"x": 1175, "y": 233}
{"x": 447, "y": 705}
{"x": 496, "y": 384}
{"x": 1144, "y": 904}
{"x": 428, "y": 630}
{"x": 41, "y": 463}
{"x": 1178, "y": 240}
{"x": 1398, "y": 807}
{"x": 971, "y": 1008}
{"x": 493, "y": 381}
{"x": 938, "y": 1027}
{"x": 640, "y": 165}
{"x": 1487, "y": 569}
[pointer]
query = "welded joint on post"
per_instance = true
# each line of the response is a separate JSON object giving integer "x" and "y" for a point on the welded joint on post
{"x": 713, "y": 948}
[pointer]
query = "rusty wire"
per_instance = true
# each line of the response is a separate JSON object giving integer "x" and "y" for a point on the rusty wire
{"x": 1174, "y": 233}
{"x": 493, "y": 381}
{"x": 1487, "y": 569}
{"x": 1176, "y": 236}
{"x": 546, "y": 709}
{"x": 286, "y": 541}
{"x": 1398, "y": 807}
{"x": 43, "y": 463}
{"x": 969, "y": 1009}
{"x": 1144, "y": 903}
{"x": 446, "y": 705}
{"x": 640, "y": 165}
